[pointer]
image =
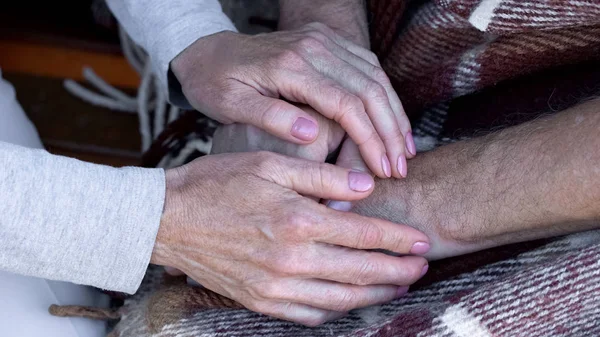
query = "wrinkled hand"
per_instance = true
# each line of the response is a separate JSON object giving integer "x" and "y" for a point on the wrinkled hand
{"x": 237, "y": 137}
{"x": 238, "y": 225}
{"x": 247, "y": 138}
{"x": 243, "y": 79}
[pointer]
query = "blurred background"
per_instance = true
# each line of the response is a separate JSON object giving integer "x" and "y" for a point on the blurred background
{"x": 42, "y": 44}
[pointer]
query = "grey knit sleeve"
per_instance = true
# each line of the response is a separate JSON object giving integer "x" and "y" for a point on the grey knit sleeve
{"x": 68, "y": 220}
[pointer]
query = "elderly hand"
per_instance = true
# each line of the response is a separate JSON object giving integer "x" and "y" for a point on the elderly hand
{"x": 245, "y": 79}
{"x": 237, "y": 137}
{"x": 247, "y": 138}
{"x": 238, "y": 225}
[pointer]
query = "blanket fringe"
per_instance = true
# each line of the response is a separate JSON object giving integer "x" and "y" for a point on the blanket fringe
{"x": 85, "y": 312}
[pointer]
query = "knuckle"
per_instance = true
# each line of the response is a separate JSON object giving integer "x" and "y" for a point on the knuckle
{"x": 379, "y": 75}
{"x": 394, "y": 137}
{"x": 322, "y": 179}
{"x": 258, "y": 306}
{"x": 410, "y": 272}
{"x": 372, "y": 136}
{"x": 309, "y": 43}
{"x": 290, "y": 58}
{"x": 348, "y": 105}
{"x": 348, "y": 301}
{"x": 372, "y": 58}
{"x": 366, "y": 273}
{"x": 316, "y": 25}
{"x": 376, "y": 90}
{"x": 271, "y": 114}
{"x": 299, "y": 226}
{"x": 265, "y": 162}
{"x": 399, "y": 243}
{"x": 269, "y": 291}
{"x": 370, "y": 236}
{"x": 317, "y": 35}
{"x": 288, "y": 264}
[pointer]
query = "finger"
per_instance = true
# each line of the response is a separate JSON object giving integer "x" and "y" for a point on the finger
{"x": 275, "y": 116}
{"x": 335, "y": 102}
{"x": 358, "y": 267}
{"x": 350, "y": 158}
{"x": 298, "y": 313}
{"x": 333, "y": 296}
{"x": 356, "y": 231}
{"x": 376, "y": 101}
{"x": 173, "y": 271}
{"x": 378, "y": 74}
{"x": 318, "y": 179}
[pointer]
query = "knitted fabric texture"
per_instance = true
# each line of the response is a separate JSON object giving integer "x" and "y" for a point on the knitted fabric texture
{"x": 549, "y": 291}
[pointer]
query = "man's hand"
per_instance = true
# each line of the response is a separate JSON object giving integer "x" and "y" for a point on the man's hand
{"x": 244, "y": 79}
{"x": 238, "y": 225}
{"x": 536, "y": 180}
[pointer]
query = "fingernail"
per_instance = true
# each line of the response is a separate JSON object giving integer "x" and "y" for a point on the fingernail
{"x": 424, "y": 270}
{"x": 419, "y": 248}
{"x": 304, "y": 129}
{"x": 387, "y": 168}
{"x": 360, "y": 182}
{"x": 343, "y": 206}
{"x": 402, "y": 166}
{"x": 410, "y": 144}
{"x": 401, "y": 291}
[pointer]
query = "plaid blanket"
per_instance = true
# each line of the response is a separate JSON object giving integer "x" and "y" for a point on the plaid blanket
{"x": 549, "y": 291}
{"x": 459, "y": 66}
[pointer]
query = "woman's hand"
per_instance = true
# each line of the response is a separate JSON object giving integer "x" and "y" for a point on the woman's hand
{"x": 236, "y": 78}
{"x": 238, "y": 225}
{"x": 248, "y": 138}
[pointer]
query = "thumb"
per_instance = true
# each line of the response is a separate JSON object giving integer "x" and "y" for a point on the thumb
{"x": 350, "y": 158}
{"x": 275, "y": 116}
{"x": 319, "y": 180}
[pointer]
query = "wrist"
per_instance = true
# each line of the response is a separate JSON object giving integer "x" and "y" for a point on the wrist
{"x": 442, "y": 198}
{"x": 167, "y": 231}
{"x": 349, "y": 21}
{"x": 202, "y": 49}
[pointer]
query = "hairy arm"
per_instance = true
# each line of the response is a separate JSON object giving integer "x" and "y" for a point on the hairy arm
{"x": 536, "y": 180}
{"x": 347, "y": 17}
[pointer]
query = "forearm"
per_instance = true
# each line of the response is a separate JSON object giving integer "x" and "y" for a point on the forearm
{"x": 68, "y": 220}
{"x": 536, "y": 180}
{"x": 347, "y": 17}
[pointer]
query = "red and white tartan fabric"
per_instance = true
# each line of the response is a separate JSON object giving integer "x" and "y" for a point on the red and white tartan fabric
{"x": 553, "y": 290}
{"x": 438, "y": 50}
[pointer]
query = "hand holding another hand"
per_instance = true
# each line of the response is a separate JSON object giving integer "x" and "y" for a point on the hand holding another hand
{"x": 238, "y": 225}
{"x": 236, "y": 78}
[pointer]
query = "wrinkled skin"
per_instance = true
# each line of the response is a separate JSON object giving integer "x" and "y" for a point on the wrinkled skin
{"x": 240, "y": 226}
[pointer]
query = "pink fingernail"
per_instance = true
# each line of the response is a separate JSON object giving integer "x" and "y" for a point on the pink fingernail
{"x": 410, "y": 144}
{"x": 402, "y": 166}
{"x": 304, "y": 129}
{"x": 359, "y": 182}
{"x": 424, "y": 270}
{"x": 343, "y": 206}
{"x": 401, "y": 291}
{"x": 420, "y": 248}
{"x": 387, "y": 168}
